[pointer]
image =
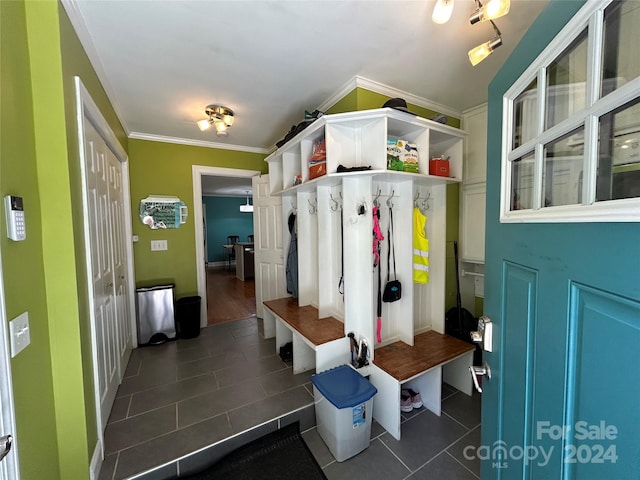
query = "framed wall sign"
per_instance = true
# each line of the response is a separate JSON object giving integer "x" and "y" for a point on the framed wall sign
{"x": 159, "y": 211}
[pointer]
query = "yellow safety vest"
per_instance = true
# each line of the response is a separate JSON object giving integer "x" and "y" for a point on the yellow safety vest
{"x": 420, "y": 248}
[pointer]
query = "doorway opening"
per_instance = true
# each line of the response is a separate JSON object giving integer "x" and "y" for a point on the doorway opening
{"x": 225, "y": 296}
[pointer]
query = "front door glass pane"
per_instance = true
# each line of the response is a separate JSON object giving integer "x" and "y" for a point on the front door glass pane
{"x": 621, "y": 59}
{"x": 619, "y": 153}
{"x": 566, "y": 82}
{"x": 522, "y": 177}
{"x": 562, "y": 171}
{"x": 525, "y": 113}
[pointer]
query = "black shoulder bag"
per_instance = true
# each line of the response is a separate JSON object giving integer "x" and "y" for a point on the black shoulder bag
{"x": 393, "y": 288}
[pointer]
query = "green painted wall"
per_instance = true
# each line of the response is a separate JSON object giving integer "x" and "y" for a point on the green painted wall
{"x": 23, "y": 264}
{"x": 58, "y": 251}
{"x": 158, "y": 168}
{"x": 348, "y": 103}
{"x": 76, "y": 63}
{"x": 52, "y": 377}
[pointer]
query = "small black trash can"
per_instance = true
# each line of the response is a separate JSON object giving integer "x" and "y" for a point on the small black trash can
{"x": 188, "y": 316}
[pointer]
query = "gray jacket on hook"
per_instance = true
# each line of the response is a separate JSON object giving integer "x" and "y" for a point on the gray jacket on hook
{"x": 292, "y": 259}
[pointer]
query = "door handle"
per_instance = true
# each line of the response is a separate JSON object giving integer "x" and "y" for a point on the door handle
{"x": 484, "y": 334}
{"x": 482, "y": 370}
{"x": 5, "y": 445}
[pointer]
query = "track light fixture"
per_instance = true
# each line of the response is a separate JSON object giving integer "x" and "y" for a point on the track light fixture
{"x": 220, "y": 117}
{"x": 493, "y": 9}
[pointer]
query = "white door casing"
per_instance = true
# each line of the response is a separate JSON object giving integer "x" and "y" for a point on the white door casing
{"x": 9, "y": 468}
{"x": 108, "y": 255}
{"x": 198, "y": 171}
{"x": 268, "y": 246}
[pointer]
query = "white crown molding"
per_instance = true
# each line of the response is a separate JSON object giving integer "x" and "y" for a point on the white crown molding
{"x": 73, "y": 12}
{"x": 196, "y": 143}
{"x": 392, "y": 92}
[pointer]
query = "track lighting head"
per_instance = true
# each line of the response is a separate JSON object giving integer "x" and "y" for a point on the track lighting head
{"x": 482, "y": 51}
{"x": 492, "y": 9}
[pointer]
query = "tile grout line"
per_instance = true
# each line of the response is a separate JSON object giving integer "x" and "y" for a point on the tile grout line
{"x": 461, "y": 464}
{"x": 392, "y": 453}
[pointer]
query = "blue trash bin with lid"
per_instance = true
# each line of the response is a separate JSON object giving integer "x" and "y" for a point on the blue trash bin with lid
{"x": 344, "y": 407}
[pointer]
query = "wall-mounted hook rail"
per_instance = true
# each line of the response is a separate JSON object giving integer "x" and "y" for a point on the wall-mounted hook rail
{"x": 312, "y": 207}
{"x": 424, "y": 205}
{"x": 389, "y": 202}
{"x": 375, "y": 200}
{"x": 334, "y": 203}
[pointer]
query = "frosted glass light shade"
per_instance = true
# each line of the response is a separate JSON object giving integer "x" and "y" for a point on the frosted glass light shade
{"x": 203, "y": 125}
{"x": 442, "y": 11}
{"x": 493, "y": 9}
{"x": 482, "y": 51}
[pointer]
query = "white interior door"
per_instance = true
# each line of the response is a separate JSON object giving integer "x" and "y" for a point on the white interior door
{"x": 268, "y": 248}
{"x": 119, "y": 254}
{"x": 107, "y": 226}
{"x": 102, "y": 271}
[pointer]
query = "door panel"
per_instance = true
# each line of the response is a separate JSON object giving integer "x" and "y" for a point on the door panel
{"x": 268, "y": 248}
{"x": 105, "y": 222}
{"x": 564, "y": 299}
{"x": 519, "y": 292}
{"x": 123, "y": 322}
{"x": 602, "y": 321}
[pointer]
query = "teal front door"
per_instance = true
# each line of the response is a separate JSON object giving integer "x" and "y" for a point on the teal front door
{"x": 563, "y": 401}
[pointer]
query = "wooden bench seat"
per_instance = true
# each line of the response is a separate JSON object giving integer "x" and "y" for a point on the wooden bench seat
{"x": 420, "y": 367}
{"x": 430, "y": 349}
{"x": 306, "y": 322}
{"x": 318, "y": 343}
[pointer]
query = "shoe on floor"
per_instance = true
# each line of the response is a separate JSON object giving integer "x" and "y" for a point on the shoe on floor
{"x": 414, "y": 397}
{"x": 405, "y": 403}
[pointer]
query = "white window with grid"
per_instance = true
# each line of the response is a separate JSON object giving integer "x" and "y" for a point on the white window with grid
{"x": 571, "y": 124}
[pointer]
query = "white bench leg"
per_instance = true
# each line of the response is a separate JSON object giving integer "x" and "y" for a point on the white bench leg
{"x": 456, "y": 373}
{"x": 386, "y": 403}
{"x": 304, "y": 358}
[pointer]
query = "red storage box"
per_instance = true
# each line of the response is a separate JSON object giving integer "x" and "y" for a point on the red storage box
{"x": 439, "y": 167}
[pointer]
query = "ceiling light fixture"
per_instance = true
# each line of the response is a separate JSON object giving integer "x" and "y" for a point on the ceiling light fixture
{"x": 248, "y": 207}
{"x": 219, "y": 116}
{"x": 482, "y": 51}
{"x": 442, "y": 11}
{"x": 493, "y": 9}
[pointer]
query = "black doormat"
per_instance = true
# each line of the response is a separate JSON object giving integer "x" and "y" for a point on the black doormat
{"x": 280, "y": 455}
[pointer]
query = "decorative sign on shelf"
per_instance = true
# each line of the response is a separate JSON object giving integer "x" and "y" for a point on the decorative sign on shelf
{"x": 159, "y": 211}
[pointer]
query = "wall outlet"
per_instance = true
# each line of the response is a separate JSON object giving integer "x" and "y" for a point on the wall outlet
{"x": 19, "y": 331}
{"x": 157, "y": 245}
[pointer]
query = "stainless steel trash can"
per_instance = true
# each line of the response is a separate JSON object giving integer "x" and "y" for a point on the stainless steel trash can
{"x": 155, "y": 309}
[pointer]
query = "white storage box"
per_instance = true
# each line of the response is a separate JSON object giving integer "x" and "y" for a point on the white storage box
{"x": 344, "y": 407}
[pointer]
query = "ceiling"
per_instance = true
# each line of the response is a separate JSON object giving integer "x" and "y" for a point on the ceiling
{"x": 162, "y": 62}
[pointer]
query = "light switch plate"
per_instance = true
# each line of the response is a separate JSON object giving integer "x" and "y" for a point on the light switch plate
{"x": 157, "y": 245}
{"x": 19, "y": 331}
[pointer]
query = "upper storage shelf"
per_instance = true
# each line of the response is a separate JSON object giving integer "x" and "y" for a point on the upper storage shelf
{"x": 359, "y": 139}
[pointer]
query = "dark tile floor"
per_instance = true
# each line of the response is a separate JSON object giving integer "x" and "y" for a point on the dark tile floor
{"x": 220, "y": 390}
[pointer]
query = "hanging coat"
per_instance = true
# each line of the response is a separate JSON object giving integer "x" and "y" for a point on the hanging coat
{"x": 292, "y": 259}
{"x": 420, "y": 248}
